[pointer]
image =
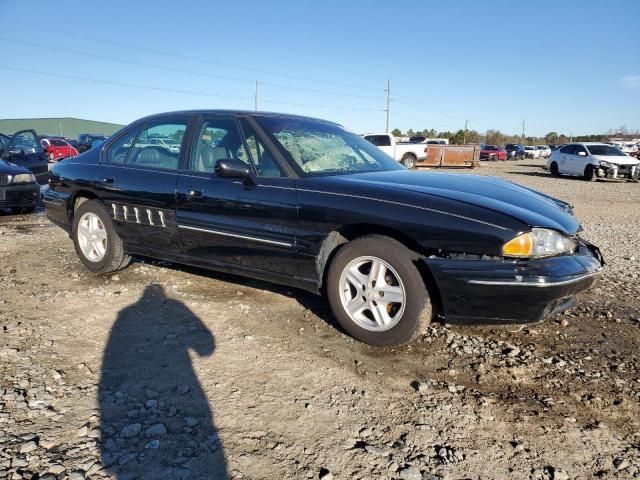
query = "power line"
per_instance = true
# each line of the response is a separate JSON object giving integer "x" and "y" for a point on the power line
{"x": 48, "y": 29}
{"x": 180, "y": 70}
{"x": 487, "y": 121}
{"x": 172, "y": 90}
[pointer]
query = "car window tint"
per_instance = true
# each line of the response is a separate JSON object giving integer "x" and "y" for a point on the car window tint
{"x": 150, "y": 150}
{"x": 384, "y": 141}
{"x": 259, "y": 156}
{"x": 118, "y": 150}
{"x": 568, "y": 149}
{"x": 372, "y": 139}
{"x": 217, "y": 138}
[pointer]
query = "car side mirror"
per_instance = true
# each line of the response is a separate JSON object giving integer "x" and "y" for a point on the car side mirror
{"x": 15, "y": 152}
{"x": 582, "y": 154}
{"x": 230, "y": 168}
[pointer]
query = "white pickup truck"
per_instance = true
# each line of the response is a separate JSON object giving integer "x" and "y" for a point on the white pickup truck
{"x": 406, "y": 153}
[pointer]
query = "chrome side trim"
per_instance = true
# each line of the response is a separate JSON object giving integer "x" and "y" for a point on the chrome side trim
{"x": 405, "y": 205}
{"x": 235, "y": 235}
{"x": 510, "y": 283}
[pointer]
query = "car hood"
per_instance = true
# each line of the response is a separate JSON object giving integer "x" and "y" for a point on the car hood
{"x": 465, "y": 193}
{"x": 617, "y": 159}
{"x": 8, "y": 168}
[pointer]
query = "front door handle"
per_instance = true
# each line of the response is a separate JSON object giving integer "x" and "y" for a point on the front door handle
{"x": 108, "y": 180}
{"x": 194, "y": 194}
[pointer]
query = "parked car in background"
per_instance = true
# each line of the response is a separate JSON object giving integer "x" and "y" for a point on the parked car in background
{"x": 531, "y": 152}
{"x": 492, "y": 152}
{"x": 515, "y": 151}
{"x": 58, "y": 149}
{"x": 19, "y": 189}
{"x": 545, "y": 151}
{"x": 408, "y": 154}
{"x": 592, "y": 161}
{"x": 23, "y": 148}
{"x": 168, "y": 143}
{"x": 303, "y": 202}
{"x": 86, "y": 140}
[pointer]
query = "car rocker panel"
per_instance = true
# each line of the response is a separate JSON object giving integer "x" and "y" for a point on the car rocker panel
{"x": 484, "y": 250}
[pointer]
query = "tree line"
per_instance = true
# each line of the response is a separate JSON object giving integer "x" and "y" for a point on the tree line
{"x": 496, "y": 137}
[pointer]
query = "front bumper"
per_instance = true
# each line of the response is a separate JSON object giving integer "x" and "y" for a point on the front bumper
{"x": 19, "y": 196}
{"x": 631, "y": 172}
{"x": 513, "y": 291}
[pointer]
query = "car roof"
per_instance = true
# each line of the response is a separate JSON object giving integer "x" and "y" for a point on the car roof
{"x": 234, "y": 112}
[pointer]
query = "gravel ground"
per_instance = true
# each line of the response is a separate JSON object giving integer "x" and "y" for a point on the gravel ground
{"x": 166, "y": 372}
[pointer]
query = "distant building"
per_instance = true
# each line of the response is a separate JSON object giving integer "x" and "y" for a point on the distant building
{"x": 65, "y": 127}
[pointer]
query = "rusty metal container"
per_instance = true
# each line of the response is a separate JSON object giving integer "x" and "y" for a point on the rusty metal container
{"x": 451, "y": 156}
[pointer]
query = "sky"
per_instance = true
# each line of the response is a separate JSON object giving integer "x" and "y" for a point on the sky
{"x": 564, "y": 66}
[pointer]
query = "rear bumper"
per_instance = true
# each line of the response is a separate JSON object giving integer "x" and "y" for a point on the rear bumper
{"x": 19, "y": 196}
{"x": 511, "y": 291}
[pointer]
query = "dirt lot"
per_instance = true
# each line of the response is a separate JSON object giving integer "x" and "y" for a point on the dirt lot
{"x": 165, "y": 372}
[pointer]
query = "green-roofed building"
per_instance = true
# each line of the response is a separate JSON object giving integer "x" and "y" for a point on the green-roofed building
{"x": 65, "y": 127}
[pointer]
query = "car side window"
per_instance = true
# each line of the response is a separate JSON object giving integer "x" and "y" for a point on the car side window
{"x": 158, "y": 146}
{"x": 217, "y": 138}
{"x": 568, "y": 149}
{"x": 259, "y": 156}
{"x": 578, "y": 149}
{"x": 373, "y": 139}
{"x": 118, "y": 150}
{"x": 384, "y": 141}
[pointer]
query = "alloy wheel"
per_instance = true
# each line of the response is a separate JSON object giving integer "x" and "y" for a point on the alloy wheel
{"x": 372, "y": 293}
{"x": 92, "y": 237}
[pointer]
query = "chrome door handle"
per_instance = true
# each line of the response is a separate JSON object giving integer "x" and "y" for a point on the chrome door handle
{"x": 194, "y": 194}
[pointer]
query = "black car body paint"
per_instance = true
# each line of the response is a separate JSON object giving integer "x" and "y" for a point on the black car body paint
{"x": 286, "y": 229}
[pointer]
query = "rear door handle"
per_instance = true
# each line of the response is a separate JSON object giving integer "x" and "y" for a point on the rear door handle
{"x": 108, "y": 180}
{"x": 194, "y": 194}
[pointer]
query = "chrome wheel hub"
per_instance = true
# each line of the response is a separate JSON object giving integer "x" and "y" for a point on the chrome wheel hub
{"x": 92, "y": 237}
{"x": 372, "y": 293}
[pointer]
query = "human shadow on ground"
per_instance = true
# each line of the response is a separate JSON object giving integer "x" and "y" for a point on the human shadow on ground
{"x": 155, "y": 419}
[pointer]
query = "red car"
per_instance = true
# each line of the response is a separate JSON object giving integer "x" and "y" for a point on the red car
{"x": 58, "y": 149}
{"x": 491, "y": 152}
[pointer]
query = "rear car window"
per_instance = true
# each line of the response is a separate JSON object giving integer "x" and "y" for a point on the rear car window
{"x": 157, "y": 146}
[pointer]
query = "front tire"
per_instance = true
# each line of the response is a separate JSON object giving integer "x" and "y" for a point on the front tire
{"x": 590, "y": 174}
{"x": 377, "y": 293}
{"x": 553, "y": 168}
{"x": 408, "y": 161}
{"x": 97, "y": 244}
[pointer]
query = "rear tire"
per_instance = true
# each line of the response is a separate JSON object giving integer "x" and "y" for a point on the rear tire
{"x": 351, "y": 283}
{"x": 553, "y": 168}
{"x": 590, "y": 174}
{"x": 408, "y": 161}
{"x": 110, "y": 256}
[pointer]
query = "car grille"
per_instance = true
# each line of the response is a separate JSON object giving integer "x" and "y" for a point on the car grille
{"x": 5, "y": 179}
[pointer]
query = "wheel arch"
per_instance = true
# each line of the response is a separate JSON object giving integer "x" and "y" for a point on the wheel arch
{"x": 77, "y": 199}
{"x": 341, "y": 236}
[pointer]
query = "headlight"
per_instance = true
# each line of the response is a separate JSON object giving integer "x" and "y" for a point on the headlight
{"x": 606, "y": 164}
{"x": 539, "y": 242}
{"x": 24, "y": 178}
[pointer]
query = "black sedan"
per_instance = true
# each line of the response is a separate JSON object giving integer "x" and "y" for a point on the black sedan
{"x": 303, "y": 202}
{"x": 19, "y": 190}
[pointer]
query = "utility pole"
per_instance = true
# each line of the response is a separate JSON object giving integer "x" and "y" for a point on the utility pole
{"x": 571, "y": 137}
{"x": 522, "y": 140}
{"x": 388, "y": 101}
{"x": 255, "y": 100}
{"x": 464, "y": 140}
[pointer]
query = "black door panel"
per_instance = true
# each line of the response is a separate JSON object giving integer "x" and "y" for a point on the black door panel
{"x": 250, "y": 227}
